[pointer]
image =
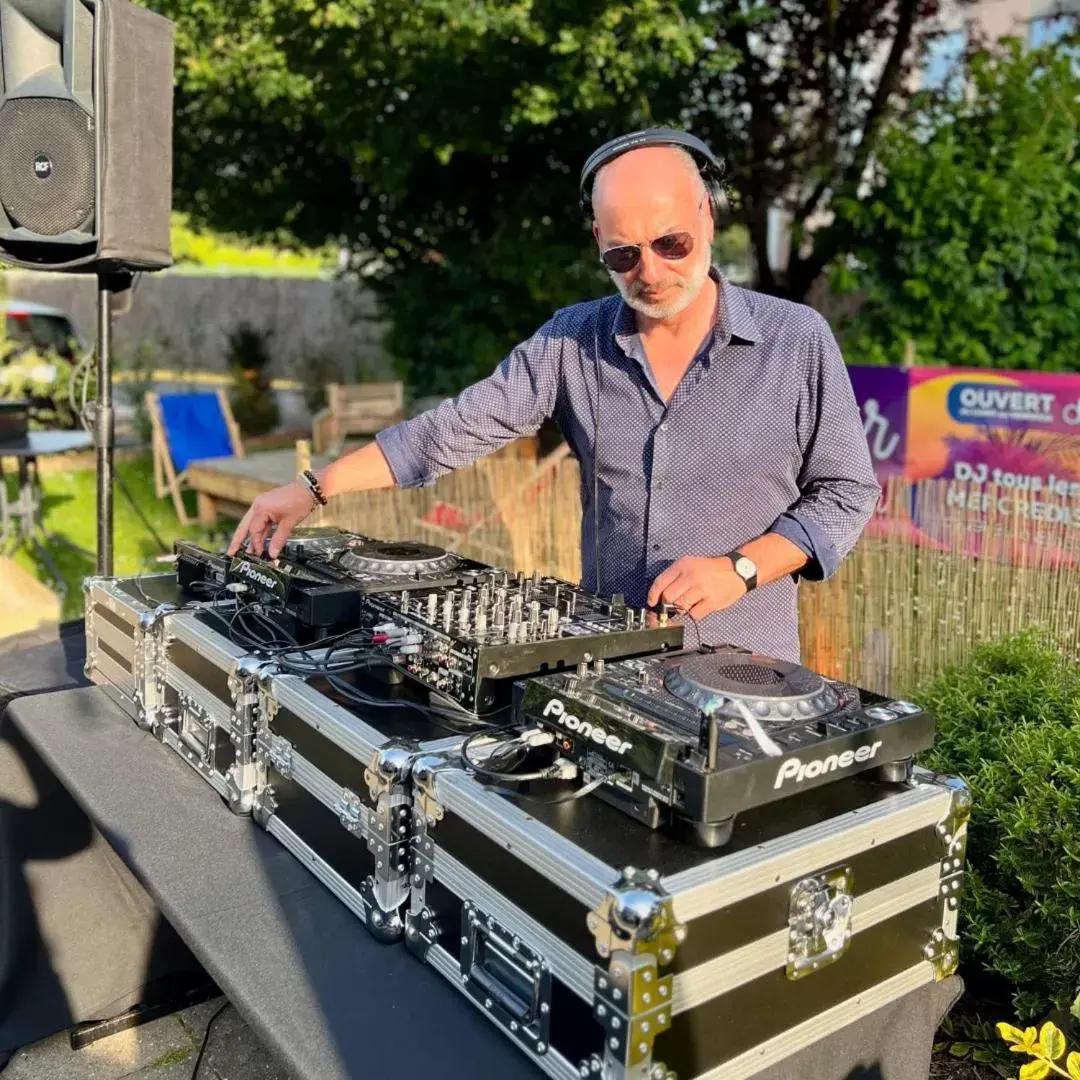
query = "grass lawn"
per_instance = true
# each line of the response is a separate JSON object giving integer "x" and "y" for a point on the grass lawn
{"x": 70, "y": 511}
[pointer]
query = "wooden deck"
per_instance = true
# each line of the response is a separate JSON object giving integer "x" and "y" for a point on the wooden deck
{"x": 228, "y": 486}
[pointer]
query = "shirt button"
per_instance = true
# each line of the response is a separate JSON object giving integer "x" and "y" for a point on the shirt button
{"x": 663, "y": 426}
{"x": 656, "y": 547}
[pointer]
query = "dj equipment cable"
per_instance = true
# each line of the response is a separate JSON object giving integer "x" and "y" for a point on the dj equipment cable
{"x": 516, "y": 748}
{"x": 289, "y": 655}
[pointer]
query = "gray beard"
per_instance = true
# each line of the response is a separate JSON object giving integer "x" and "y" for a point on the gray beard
{"x": 687, "y": 294}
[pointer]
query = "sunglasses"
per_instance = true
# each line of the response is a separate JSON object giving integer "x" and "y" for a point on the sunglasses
{"x": 671, "y": 246}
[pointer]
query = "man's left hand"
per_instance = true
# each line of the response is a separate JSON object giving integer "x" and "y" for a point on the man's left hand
{"x": 698, "y": 585}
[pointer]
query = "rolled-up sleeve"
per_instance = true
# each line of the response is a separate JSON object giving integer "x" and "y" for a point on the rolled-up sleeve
{"x": 510, "y": 403}
{"x": 838, "y": 489}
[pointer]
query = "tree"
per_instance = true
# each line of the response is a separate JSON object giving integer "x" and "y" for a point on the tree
{"x": 968, "y": 243}
{"x": 440, "y": 141}
{"x": 800, "y": 111}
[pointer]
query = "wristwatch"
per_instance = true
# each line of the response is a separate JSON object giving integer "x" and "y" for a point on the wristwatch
{"x": 745, "y": 568}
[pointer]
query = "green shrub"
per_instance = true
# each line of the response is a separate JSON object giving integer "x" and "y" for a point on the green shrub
{"x": 1009, "y": 724}
{"x": 139, "y": 363}
{"x": 252, "y": 398}
{"x": 43, "y": 380}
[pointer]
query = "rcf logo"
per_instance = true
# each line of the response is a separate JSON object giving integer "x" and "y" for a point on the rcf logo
{"x": 43, "y": 167}
{"x": 798, "y": 771}
{"x": 583, "y": 728}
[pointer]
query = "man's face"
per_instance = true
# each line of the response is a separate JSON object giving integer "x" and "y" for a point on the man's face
{"x": 643, "y": 196}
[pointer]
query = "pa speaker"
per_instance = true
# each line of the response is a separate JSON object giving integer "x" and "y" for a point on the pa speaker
{"x": 85, "y": 136}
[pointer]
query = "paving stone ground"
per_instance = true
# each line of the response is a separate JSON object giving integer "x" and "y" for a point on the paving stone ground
{"x": 164, "y": 1049}
{"x": 27, "y": 603}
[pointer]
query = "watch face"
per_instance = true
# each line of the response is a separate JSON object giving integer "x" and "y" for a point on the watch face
{"x": 744, "y": 567}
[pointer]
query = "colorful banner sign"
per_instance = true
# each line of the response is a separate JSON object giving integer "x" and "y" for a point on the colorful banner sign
{"x": 882, "y": 395}
{"x": 1008, "y": 442}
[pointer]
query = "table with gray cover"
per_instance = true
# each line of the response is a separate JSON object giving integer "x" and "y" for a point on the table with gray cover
{"x": 327, "y": 998}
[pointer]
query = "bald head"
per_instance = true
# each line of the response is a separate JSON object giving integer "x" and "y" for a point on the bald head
{"x": 641, "y": 196}
{"x": 663, "y": 172}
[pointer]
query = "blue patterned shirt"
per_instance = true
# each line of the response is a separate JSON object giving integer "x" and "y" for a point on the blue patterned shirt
{"x": 762, "y": 434}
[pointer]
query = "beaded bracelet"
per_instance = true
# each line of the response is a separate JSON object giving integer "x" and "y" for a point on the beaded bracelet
{"x": 308, "y": 478}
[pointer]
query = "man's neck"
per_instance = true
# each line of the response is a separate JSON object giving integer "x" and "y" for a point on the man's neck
{"x": 690, "y": 322}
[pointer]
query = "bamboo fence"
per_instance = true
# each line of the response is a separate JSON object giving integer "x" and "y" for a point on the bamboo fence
{"x": 895, "y": 612}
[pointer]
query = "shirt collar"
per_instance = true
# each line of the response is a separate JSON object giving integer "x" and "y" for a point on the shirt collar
{"x": 734, "y": 321}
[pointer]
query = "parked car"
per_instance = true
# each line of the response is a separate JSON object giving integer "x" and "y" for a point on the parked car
{"x": 40, "y": 327}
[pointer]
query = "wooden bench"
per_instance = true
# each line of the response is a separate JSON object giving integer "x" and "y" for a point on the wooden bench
{"x": 228, "y": 486}
{"x": 356, "y": 409}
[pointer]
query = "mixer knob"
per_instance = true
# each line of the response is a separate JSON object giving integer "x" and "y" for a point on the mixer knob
{"x": 551, "y": 628}
{"x": 432, "y": 606}
{"x": 643, "y": 678}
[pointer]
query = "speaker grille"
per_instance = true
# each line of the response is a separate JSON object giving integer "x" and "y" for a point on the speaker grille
{"x": 46, "y": 164}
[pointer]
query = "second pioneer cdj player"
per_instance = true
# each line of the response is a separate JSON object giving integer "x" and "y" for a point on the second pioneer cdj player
{"x": 721, "y": 448}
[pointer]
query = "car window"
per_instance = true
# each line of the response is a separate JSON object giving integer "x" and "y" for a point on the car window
{"x": 44, "y": 332}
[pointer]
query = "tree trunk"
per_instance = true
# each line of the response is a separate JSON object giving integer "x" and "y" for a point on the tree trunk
{"x": 758, "y": 224}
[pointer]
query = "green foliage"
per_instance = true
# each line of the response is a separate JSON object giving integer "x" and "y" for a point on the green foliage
{"x": 69, "y": 498}
{"x": 202, "y": 249}
{"x": 440, "y": 142}
{"x": 42, "y": 380}
{"x": 140, "y": 363}
{"x": 1009, "y": 724}
{"x": 969, "y": 244}
{"x": 252, "y": 397}
{"x": 970, "y": 1038}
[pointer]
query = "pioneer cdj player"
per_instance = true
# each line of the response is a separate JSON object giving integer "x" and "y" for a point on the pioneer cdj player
{"x": 323, "y": 574}
{"x": 693, "y": 737}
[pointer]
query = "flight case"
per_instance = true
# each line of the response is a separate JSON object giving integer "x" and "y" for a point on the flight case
{"x": 198, "y": 693}
{"x": 606, "y": 949}
{"x": 114, "y": 608}
{"x": 336, "y": 788}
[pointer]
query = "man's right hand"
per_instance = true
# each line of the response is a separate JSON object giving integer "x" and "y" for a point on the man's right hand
{"x": 281, "y": 510}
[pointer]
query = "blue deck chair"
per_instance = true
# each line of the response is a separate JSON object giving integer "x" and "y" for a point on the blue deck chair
{"x": 187, "y": 428}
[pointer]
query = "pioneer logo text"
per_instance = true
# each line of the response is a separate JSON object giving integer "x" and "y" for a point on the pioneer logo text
{"x": 253, "y": 573}
{"x": 797, "y": 771}
{"x": 586, "y": 730}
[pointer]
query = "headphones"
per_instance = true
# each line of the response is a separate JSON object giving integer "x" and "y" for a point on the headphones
{"x": 709, "y": 165}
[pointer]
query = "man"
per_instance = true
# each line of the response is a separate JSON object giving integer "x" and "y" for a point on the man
{"x": 722, "y": 452}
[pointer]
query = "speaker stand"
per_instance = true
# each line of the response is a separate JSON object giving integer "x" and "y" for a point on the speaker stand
{"x": 104, "y": 418}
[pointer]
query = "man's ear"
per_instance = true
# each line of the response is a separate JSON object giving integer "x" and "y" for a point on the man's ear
{"x": 596, "y": 233}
